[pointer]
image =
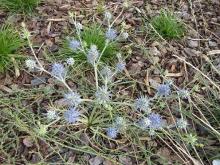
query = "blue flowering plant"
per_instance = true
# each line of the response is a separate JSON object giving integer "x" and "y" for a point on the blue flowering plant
{"x": 79, "y": 104}
{"x": 105, "y": 37}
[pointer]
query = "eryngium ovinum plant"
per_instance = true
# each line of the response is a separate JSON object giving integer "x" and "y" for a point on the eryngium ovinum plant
{"x": 147, "y": 120}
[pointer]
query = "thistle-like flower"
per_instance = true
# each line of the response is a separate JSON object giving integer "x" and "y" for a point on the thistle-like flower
{"x": 107, "y": 73}
{"x": 120, "y": 123}
{"x": 72, "y": 115}
{"x": 124, "y": 35}
{"x": 144, "y": 123}
{"x": 79, "y": 26}
{"x": 152, "y": 132}
{"x": 70, "y": 61}
{"x": 93, "y": 54}
{"x": 163, "y": 90}
{"x": 103, "y": 95}
{"x": 191, "y": 139}
{"x": 216, "y": 162}
{"x": 112, "y": 132}
{"x": 73, "y": 98}
{"x": 182, "y": 93}
{"x": 111, "y": 34}
{"x": 143, "y": 104}
{"x": 181, "y": 123}
{"x": 108, "y": 15}
{"x": 120, "y": 66}
{"x": 156, "y": 122}
{"x": 51, "y": 115}
{"x": 58, "y": 70}
{"x": 41, "y": 129}
{"x": 74, "y": 45}
{"x": 31, "y": 64}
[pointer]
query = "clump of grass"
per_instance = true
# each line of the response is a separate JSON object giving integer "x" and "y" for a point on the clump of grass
{"x": 167, "y": 25}
{"x": 25, "y": 6}
{"x": 10, "y": 42}
{"x": 92, "y": 35}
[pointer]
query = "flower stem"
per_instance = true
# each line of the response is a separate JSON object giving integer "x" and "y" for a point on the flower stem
{"x": 96, "y": 76}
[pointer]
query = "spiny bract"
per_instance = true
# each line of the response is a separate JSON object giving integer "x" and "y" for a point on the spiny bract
{"x": 58, "y": 70}
{"x": 72, "y": 115}
{"x": 73, "y": 98}
{"x": 112, "y": 132}
{"x": 111, "y": 34}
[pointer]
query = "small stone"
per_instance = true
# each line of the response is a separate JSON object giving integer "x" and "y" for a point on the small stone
{"x": 96, "y": 160}
{"x": 214, "y": 19}
{"x": 61, "y": 103}
{"x": 156, "y": 71}
{"x": 193, "y": 43}
{"x": 185, "y": 15}
{"x": 28, "y": 142}
{"x": 191, "y": 52}
{"x": 86, "y": 157}
{"x": 155, "y": 60}
{"x": 155, "y": 43}
{"x": 54, "y": 48}
{"x": 35, "y": 158}
{"x": 215, "y": 2}
{"x": 164, "y": 152}
{"x": 163, "y": 50}
{"x": 155, "y": 82}
{"x": 213, "y": 44}
{"x": 108, "y": 162}
{"x": 125, "y": 160}
{"x": 84, "y": 138}
{"x": 38, "y": 81}
{"x": 154, "y": 51}
{"x": 152, "y": 143}
{"x": 135, "y": 68}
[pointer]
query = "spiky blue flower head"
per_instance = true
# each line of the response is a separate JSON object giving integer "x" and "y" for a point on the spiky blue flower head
{"x": 73, "y": 98}
{"x": 182, "y": 93}
{"x": 144, "y": 123}
{"x": 163, "y": 90}
{"x": 112, "y": 132}
{"x": 93, "y": 54}
{"x": 107, "y": 73}
{"x": 143, "y": 104}
{"x": 31, "y": 64}
{"x": 120, "y": 123}
{"x": 120, "y": 66}
{"x": 79, "y": 26}
{"x": 74, "y": 45}
{"x": 70, "y": 61}
{"x": 181, "y": 123}
{"x": 111, "y": 34}
{"x": 103, "y": 95}
{"x": 51, "y": 115}
{"x": 108, "y": 15}
{"x": 58, "y": 70}
{"x": 72, "y": 115}
{"x": 156, "y": 122}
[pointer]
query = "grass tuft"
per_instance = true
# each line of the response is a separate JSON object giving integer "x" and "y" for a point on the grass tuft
{"x": 168, "y": 25}
{"x": 10, "y": 42}
{"x": 25, "y": 6}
